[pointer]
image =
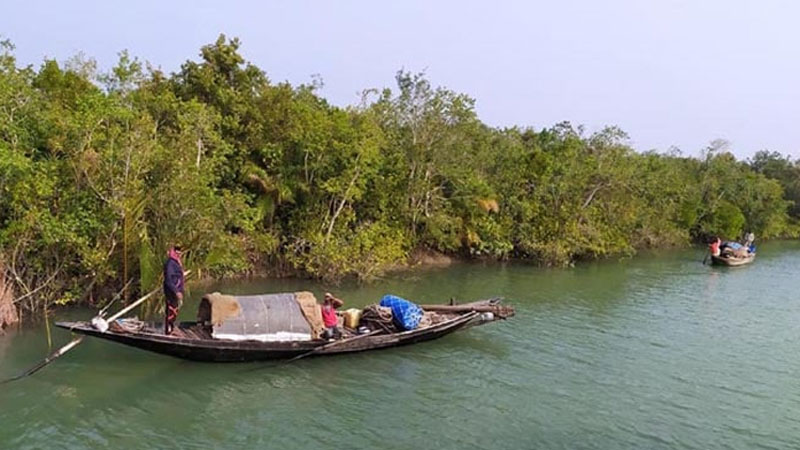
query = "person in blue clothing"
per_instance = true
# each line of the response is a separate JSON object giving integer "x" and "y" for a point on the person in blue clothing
{"x": 749, "y": 242}
{"x": 173, "y": 287}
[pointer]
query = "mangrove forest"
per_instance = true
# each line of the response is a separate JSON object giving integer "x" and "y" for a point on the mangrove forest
{"x": 100, "y": 171}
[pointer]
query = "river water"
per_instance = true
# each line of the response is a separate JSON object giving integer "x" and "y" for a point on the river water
{"x": 657, "y": 351}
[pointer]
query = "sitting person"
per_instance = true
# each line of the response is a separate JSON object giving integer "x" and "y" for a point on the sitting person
{"x": 329, "y": 318}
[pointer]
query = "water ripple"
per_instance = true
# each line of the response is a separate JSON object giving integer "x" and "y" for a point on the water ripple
{"x": 653, "y": 352}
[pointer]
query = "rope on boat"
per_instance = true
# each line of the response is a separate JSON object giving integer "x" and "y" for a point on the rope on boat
{"x": 375, "y": 317}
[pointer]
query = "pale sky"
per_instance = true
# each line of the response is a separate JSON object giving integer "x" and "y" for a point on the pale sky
{"x": 670, "y": 73}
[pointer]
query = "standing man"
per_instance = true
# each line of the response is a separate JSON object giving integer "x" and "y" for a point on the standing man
{"x": 173, "y": 287}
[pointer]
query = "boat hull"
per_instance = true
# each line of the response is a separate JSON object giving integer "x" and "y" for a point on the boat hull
{"x": 720, "y": 261}
{"x": 214, "y": 350}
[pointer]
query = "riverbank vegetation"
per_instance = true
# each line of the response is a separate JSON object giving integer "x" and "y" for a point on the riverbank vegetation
{"x": 100, "y": 171}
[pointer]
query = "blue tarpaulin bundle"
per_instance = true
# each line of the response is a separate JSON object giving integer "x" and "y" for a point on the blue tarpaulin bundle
{"x": 733, "y": 245}
{"x": 405, "y": 314}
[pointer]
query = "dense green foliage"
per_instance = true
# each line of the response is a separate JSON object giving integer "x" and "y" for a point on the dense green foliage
{"x": 99, "y": 172}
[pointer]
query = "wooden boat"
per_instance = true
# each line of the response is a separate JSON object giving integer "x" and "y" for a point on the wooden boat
{"x": 194, "y": 341}
{"x": 732, "y": 261}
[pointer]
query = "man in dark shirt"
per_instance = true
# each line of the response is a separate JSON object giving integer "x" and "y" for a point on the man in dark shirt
{"x": 173, "y": 287}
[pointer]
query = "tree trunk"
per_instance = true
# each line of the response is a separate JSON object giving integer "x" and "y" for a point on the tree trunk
{"x": 199, "y": 151}
{"x": 8, "y": 312}
{"x": 342, "y": 202}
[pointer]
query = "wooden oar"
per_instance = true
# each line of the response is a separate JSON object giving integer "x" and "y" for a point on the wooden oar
{"x": 462, "y": 308}
{"x": 333, "y": 344}
{"x": 47, "y": 360}
{"x": 102, "y": 312}
{"x": 102, "y": 324}
{"x": 97, "y": 322}
{"x": 125, "y": 310}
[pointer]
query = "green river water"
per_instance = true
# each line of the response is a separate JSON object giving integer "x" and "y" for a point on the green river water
{"x": 657, "y": 351}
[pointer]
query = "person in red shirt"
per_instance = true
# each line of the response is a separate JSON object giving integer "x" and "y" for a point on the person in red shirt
{"x": 713, "y": 247}
{"x": 329, "y": 318}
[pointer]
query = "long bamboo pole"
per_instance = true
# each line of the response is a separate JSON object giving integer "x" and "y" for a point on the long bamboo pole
{"x": 333, "y": 344}
{"x": 52, "y": 357}
{"x": 127, "y": 309}
{"x": 74, "y": 343}
{"x": 463, "y": 308}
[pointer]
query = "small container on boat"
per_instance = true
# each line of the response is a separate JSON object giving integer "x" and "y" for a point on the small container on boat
{"x": 351, "y": 317}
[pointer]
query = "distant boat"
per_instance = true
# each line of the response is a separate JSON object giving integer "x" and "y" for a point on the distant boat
{"x": 238, "y": 339}
{"x": 732, "y": 261}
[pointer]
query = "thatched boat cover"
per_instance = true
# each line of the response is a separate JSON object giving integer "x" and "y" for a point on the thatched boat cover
{"x": 266, "y": 318}
{"x": 310, "y": 307}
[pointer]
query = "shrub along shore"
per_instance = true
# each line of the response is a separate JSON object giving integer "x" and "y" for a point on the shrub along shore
{"x": 101, "y": 171}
